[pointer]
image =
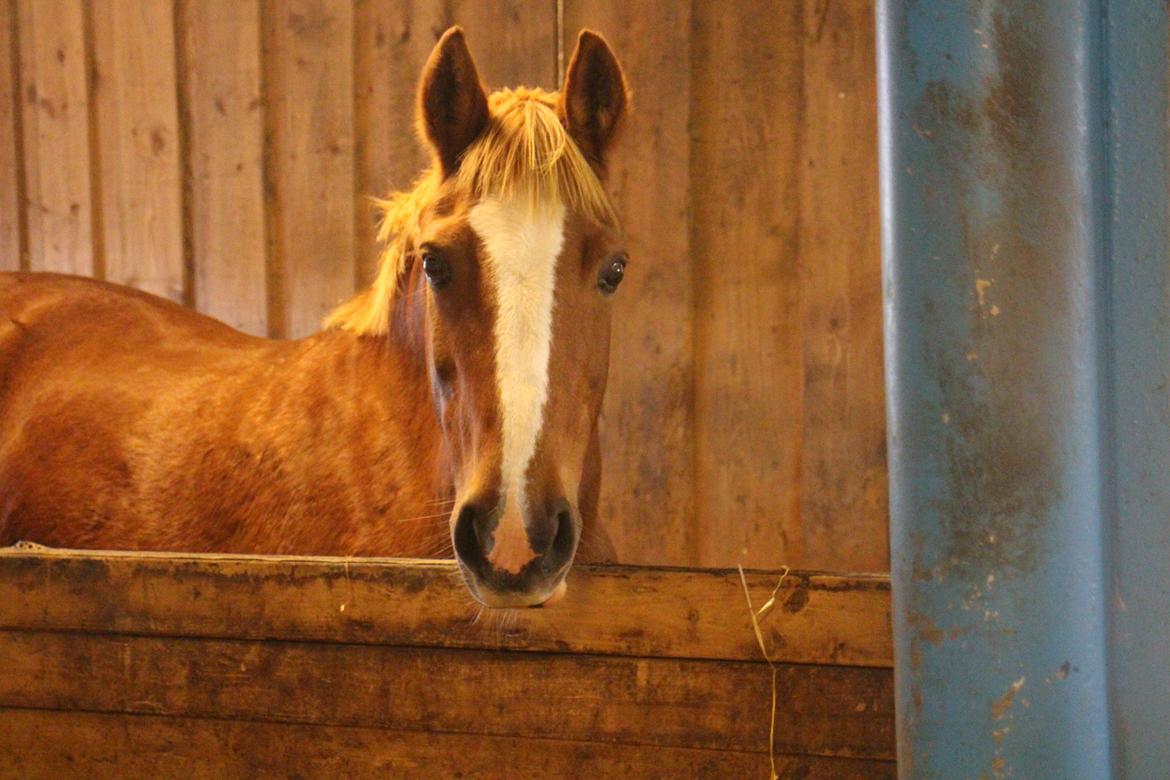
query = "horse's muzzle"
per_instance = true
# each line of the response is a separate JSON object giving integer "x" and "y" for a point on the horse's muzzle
{"x": 516, "y": 567}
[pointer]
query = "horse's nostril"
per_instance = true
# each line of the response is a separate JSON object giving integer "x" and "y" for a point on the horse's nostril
{"x": 564, "y": 541}
{"x": 468, "y": 534}
{"x": 566, "y": 533}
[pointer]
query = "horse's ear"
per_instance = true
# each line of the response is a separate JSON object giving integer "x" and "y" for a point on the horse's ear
{"x": 453, "y": 108}
{"x": 595, "y": 96}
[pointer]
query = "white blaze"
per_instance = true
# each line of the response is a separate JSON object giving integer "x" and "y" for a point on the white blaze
{"x": 522, "y": 245}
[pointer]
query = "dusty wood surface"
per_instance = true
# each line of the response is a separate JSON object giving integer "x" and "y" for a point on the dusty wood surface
{"x": 723, "y": 705}
{"x": 843, "y": 492}
{"x": 11, "y": 181}
{"x": 55, "y": 115}
{"x": 748, "y": 338}
{"x": 513, "y": 41}
{"x": 138, "y": 145}
{"x": 611, "y": 610}
{"x": 40, "y": 744}
{"x": 222, "y": 112}
{"x": 133, "y": 664}
{"x": 308, "y": 73}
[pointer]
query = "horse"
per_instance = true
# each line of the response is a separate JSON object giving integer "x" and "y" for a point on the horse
{"x": 451, "y": 406}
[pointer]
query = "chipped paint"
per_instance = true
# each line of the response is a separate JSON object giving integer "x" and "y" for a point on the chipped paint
{"x": 989, "y": 251}
{"x": 981, "y": 286}
{"x": 1003, "y": 705}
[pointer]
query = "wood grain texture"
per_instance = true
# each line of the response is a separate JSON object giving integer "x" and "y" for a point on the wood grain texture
{"x": 393, "y": 41}
{"x": 843, "y": 480}
{"x": 42, "y": 744}
{"x": 308, "y": 70}
{"x": 224, "y": 176}
{"x": 12, "y": 241}
{"x": 822, "y": 710}
{"x": 513, "y": 41}
{"x": 674, "y": 613}
{"x": 745, "y": 180}
{"x": 134, "y": 88}
{"x": 56, "y": 117}
{"x": 647, "y": 428}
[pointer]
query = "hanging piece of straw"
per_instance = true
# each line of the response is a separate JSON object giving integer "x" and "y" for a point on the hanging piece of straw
{"x": 757, "y": 616}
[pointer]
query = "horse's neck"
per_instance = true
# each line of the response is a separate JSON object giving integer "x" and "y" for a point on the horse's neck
{"x": 354, "y": 415}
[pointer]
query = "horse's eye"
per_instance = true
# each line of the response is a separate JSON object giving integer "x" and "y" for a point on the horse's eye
{"x": 611, "y": 276}
{"x": 437, "y": 269}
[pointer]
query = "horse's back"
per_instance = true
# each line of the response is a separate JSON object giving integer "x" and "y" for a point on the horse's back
{"x": 60, "y": 305}
{"x": 91, "y": 376}
{"x": 57, "y": 328}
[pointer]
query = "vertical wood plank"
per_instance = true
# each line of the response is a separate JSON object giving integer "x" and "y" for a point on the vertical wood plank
{"x": 11, "y": 179}
{"x": 392, "y": 43}
{"x": 138, "y": 135}
{"x": 647, "y": 438}
{"x": 223, "y": 118}
{"x": 843, "y": 486}
{"x": 747, "y": 98}
{"x": 55, "y": 120}
{"x": 514, "y": 41}
{"x": 308, "y": 70}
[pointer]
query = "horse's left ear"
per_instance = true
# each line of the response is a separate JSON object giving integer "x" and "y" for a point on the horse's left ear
{"x": 595, "y": 96}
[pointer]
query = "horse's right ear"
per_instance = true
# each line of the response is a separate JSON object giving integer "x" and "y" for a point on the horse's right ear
{"x": 453, "y": 108}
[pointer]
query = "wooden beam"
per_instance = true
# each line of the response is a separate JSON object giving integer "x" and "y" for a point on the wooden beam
{"x": 56, "y": 147}
{"x": 745, "y": 168}
{"x": 137, "y": 134}
{"x": 680, "y": 613}
{"x": 513, "y": 41}
{"x": 308, "y": 87}
{"x": 222, "y": 114}
{"x": 724, "y": 705}
{"x": 13, "y": 242}
{"x": 842, "y": 483}
{"x": 40, "y": 744}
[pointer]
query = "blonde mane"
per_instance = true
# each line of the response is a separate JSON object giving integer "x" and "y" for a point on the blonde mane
{"x": 525, "y": 152}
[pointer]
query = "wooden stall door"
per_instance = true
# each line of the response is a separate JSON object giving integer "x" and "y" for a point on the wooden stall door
{"x": 133, "y": 665}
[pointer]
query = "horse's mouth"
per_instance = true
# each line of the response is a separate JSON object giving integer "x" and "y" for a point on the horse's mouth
{"x": 557, "y": 596}
{"x": 505, "y": 599}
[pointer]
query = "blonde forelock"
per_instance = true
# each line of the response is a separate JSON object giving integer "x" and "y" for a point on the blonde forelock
{"x": 524, "y": 153}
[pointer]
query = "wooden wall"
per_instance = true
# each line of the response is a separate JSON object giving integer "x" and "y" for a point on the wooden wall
{"x": 219, "y": 152}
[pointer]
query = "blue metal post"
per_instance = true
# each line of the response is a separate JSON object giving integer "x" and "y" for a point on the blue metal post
{"x": 1027, "y": 283}
{"x": 1138, "y": 355}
